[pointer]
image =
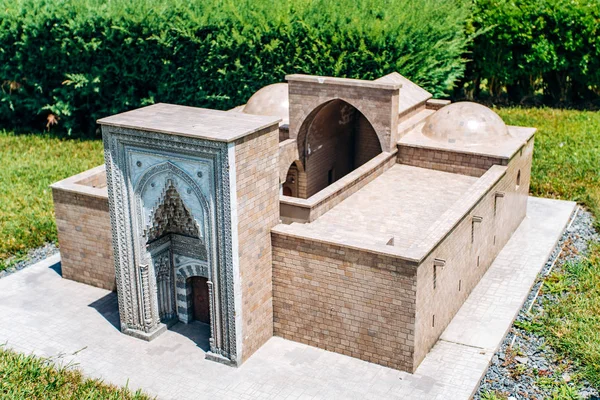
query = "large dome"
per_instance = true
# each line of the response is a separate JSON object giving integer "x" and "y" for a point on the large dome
{"x": 271, "y": 100}
{"x": 466, "y": 123}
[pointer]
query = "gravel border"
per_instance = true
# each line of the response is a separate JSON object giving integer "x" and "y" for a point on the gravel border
{"x": 33, "y": 256}
{"x": 524, "y": 357}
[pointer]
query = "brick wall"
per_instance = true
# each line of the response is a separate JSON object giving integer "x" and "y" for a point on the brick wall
{"x": 343, "y": 300}
{"x": 449, "y": 161}
{"x": 288, "y": 154}
{"x": 468, "y": 252}
{"x": 85, "y": 239}
{"x": 257, "y": 187}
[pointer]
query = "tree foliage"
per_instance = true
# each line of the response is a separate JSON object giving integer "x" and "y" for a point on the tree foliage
{"x": 66, "y": 63}
{"x": 523, "y": 49}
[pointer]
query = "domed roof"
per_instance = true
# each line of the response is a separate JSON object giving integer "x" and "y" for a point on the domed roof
{"x": 465, "y": 123}
{"x": 271, "y": 100}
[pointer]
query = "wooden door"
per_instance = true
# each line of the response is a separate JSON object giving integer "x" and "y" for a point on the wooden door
{"x": 200, "y": 300}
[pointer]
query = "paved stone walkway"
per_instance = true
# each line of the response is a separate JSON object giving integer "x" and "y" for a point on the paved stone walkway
{"x": 42, "y": 313}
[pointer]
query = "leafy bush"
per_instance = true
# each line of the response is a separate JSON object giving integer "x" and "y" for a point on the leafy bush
{"x": 65, "y": 63}
{"x": 544, "y": 48}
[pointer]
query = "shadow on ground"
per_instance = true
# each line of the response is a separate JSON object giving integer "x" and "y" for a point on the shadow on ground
{"x": 56, "y": 268}
{"x": 197, "y": 332}
{"x": 108, "y": 307}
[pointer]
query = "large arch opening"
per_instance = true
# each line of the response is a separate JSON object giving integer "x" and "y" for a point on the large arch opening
{"x": 334, "y": 140}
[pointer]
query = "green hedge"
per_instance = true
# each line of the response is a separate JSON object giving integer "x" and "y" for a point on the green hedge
{"x": 65, "y": 63}
{"x": 525, "y": 50}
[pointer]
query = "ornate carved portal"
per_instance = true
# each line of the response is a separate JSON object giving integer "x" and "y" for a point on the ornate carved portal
{"x": 171, "y": 221}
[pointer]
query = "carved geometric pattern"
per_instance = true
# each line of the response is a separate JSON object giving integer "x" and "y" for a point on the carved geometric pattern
{"x": 171, "y": 216}
{"x": 165, "y": 286}
{"x": 137, "y": 292}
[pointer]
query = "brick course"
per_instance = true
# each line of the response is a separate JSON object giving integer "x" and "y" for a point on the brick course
{"x": 85, "y": 240}
{"x": 500, "y": 217}
{"x": 344, "y": 300}
{"x": 446, "y": 160}
{"x": 257, "y": 187}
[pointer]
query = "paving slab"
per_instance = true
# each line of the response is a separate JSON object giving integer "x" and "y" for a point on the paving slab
{"x": 43, "y": 314}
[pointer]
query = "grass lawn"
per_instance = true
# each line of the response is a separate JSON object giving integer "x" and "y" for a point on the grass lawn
{"x": 29, "y": 163}
{"x": 28, "y": 377}
{"x": 566, "y": 157}
{"x": 571, "y": 321}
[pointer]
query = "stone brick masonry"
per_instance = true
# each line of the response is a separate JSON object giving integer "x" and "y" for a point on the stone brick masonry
{"x": 343, "y": 300}
{"x": 258, "y": 211}
{"x": 84, "y": 237}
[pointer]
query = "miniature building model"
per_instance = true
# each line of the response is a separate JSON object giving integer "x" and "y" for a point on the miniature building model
{"x": 351, "y": 215}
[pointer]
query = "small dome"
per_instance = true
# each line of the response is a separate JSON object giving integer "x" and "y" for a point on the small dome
{"x": 465, "y": 123}
{"x": 271, "y": 100}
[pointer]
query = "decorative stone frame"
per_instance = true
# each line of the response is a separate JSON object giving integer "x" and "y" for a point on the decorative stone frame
{"x": 135, "y": 277}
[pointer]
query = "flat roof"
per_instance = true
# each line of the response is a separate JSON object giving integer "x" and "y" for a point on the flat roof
{"x": 399, "y": 206}
{"x": 194, "y": 122}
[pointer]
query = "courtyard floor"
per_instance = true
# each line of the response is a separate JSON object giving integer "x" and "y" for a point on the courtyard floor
{"x": 42, "y": 313}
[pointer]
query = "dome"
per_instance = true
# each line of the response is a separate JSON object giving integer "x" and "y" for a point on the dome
{"x": 465, "y": 123}
{"x": 271, "y": 100}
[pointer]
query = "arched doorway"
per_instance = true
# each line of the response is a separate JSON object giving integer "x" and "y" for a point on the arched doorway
{"x": 200, "y": 299}
{"x": 295, "y": 181}
{"x": 333, "y": 141}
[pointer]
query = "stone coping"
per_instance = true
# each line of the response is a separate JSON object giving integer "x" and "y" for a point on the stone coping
{"x": 201, "y": 123}
{"x": 458, "y": 212}
{"x": 341, "y": 184}
{"x": 417, "y": 252}
{"x": 329, "y": 80}
{"x": 502, "y": 150}
{"x": 77, "y": 183}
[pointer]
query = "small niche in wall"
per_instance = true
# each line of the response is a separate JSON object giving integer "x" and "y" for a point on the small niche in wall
{"x": 497, "y": 198}
{"x": 475, "y": 222}
{"x": 518, "y": 179}
{"x": 437, "y": 263}
{"x": 433, "y": 321}
{"x": 459, "y": 285}
{"x": 330, "y": 176}
{"x": 478, "y": 261}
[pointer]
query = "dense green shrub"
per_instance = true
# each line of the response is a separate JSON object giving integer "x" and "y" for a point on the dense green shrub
{"x": 78, "y": 60}
{"x": 549, "y": 49}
